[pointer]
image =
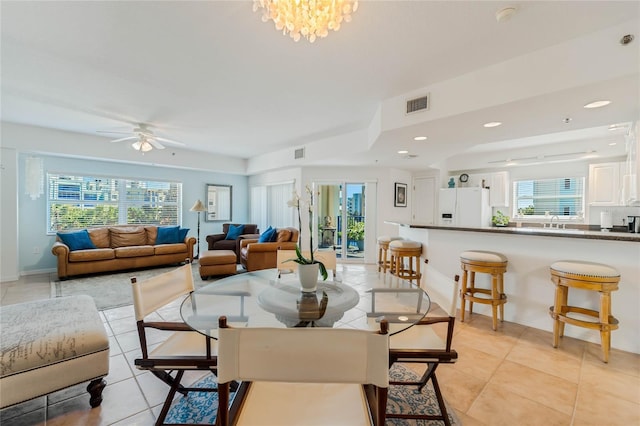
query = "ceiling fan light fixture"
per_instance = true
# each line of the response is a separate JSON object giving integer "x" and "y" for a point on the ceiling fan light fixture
{"x": 142, "y": 145}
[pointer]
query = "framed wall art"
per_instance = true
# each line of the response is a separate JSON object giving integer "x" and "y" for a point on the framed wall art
{"x": 400, "y": 197}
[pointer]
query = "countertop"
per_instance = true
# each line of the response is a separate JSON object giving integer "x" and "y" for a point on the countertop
{"x": 537, "y": 231}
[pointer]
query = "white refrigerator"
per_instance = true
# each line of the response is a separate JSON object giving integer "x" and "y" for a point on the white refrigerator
{"x": 464, "y": 207}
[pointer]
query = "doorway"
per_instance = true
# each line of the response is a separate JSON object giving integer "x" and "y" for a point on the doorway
{"x": 340, "y": 219}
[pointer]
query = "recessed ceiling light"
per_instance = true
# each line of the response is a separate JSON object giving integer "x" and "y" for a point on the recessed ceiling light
{"x": 597, "y": 104}
{"x": 420, "y": 138}
{"x": 492, "y": 124}
{"x": 504, "y": 14}
{"x": 403, "y": 152}
{"x": 613, "y": 143}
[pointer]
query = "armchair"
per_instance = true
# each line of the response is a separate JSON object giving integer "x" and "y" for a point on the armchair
{"x": 218, "y": 241}
{"x": 255, "y": 255}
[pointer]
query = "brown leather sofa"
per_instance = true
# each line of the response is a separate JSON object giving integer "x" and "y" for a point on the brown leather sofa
{"x": 255, "y": 255}
{"x": 120, "y": 247}
{"x": 218, "y": 241}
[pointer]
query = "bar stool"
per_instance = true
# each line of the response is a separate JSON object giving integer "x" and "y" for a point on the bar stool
{"x": 587, "y": 276}
{"x": 383, "y": 246}
{"x": 402, "y": 250}
{"x": 487, "y": 262}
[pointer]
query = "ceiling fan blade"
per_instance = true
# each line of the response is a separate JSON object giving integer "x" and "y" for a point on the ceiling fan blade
{"x": 155, "y": 144}
{"x": 128, "y": 138}
{"x": 168, "y": 141}
{"x": 116, "y": 132}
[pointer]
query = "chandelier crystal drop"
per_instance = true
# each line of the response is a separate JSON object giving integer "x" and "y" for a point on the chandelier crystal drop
{"x": 310, "y": 19}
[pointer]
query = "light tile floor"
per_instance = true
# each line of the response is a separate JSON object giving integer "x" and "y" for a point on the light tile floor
{"x": 509, "y": 377}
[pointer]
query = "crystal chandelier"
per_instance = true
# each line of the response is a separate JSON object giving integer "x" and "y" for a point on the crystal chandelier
{"x": 307, "y": 18}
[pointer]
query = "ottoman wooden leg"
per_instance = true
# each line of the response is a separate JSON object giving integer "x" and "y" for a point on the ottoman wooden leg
{"x": 95, "y": 389}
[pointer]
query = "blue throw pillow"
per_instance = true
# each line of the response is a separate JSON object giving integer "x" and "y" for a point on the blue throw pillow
{"x": 77, "y": 240}
{"x": 267, "y": 236}
{"x": 182, "y": 234}
{"x": 168, "y": 235}
{"x": 234, "y": 232}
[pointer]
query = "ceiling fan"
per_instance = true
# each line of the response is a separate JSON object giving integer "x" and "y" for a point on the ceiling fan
{"x": 144, "y": 138}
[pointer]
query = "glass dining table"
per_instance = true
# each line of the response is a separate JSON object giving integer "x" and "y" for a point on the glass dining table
{"x": 261, "y": 299}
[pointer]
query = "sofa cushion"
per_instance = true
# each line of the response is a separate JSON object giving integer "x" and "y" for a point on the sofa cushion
{"x": 128, "y": 236}
{"x": 100, "y": 237}
{"x": 77, "y": 240}
{"x": 182, "y": 234}
{"x": 134, "y": 251}
{"x": 91, "y": 255}
{"x": 234, "y": 232}
{"x": 283, "y": 235}
{"x": 225, "y": 245}
{"x": 168, "y": 235}
{"x": 170, "y": 248}
{"x": 152, "y": 234}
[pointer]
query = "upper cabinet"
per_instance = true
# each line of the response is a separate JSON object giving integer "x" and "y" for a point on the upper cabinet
{"x": 499, "y": 189}
{"x": 605, "y": 184}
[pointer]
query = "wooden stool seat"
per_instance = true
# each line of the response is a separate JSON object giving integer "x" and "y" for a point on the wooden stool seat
{"x": 383, "y": 247}
{"x": 586, "y": 276}
{"x": 487, "y": 262}
{"x": 411, "y": 250}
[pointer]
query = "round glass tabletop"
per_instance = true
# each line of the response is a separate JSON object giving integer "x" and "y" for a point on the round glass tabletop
{"x": 260, "y": 299}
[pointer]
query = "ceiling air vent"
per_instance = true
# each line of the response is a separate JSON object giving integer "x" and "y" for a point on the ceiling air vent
{"x": 298, "y": 154}
{"x": 418, "y": 104}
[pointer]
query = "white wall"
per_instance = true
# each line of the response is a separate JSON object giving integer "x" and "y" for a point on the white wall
{"x": 8, "y": 215}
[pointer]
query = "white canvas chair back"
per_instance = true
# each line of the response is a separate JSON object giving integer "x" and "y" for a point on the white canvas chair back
{"x": 155, "y": 292}
{"x": 286, "y": 267}
{"x": 441, "y": 290}
{"x": 305, "y": 355}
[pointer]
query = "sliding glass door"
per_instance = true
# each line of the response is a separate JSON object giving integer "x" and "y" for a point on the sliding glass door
{"x": 340, "y": 219}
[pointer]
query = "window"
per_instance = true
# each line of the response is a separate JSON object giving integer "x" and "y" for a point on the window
{"x": 562, "y": 197}
{"x": 269, "y": 206}
{"x": 76, "y": 202}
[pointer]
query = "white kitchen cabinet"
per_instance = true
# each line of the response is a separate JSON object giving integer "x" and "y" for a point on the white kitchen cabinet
{"x": 605, "y": 184}
{"x": 499, "y": 189}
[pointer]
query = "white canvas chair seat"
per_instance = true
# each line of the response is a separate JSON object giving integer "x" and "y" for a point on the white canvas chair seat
{"x": 186, "y": 343}
{"x": 295, "y": 404}
{"x": 183, "y": 349}
{"x": 303, "y": 376}
{"x": 417, "y": 337}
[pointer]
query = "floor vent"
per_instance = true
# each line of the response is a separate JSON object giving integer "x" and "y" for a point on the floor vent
{"x": 418, "y": 104}
{"x": 298, "y": 154}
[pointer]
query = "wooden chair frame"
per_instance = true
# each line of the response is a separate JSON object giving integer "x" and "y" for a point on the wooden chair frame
{"x": 376, "y": 395}
{"x": 431, "y": 357}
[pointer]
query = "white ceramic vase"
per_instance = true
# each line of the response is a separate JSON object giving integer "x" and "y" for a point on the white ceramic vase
{"x": 308, "y": 275}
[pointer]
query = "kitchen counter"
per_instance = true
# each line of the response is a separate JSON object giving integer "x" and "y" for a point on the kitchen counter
{"x": 546, "y": 232}
{"x": 527, "y": 283}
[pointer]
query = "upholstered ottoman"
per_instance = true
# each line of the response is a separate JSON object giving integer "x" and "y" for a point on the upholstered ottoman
{"x": 51, "y": 344}
{"x": 217, "y": 262}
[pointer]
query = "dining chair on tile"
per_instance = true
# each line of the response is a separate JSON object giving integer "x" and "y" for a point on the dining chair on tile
{"x": 422, "y": 344}
{"x": 327, "y": 257}
{"x": 303, "y": 376}
{"x": 183, "y": 349}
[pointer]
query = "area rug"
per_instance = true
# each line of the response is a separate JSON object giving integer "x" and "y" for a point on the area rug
{"x": 202, "y": 407}
{"x": 113, "y": 290}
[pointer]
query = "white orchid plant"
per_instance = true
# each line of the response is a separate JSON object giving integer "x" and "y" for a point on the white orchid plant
{"x": 297, "y": 202}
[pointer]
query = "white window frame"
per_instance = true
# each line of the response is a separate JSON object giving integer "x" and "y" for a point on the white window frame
{"x": 582, "y": 197}
{"x": 117, "y": 198}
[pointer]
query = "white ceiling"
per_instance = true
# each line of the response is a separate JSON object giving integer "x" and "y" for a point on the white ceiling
{"x": 212, "y": 75}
